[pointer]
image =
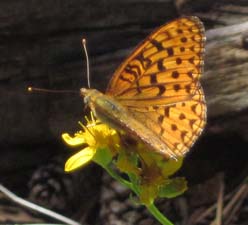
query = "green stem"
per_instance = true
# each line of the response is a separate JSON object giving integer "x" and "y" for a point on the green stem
{"x": 118, "y": 178}
{"x": 158, "y": 215}
{"x": 152, "y": 208}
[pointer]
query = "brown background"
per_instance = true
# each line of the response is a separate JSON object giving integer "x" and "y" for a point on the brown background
{"x": 40, "y": 45}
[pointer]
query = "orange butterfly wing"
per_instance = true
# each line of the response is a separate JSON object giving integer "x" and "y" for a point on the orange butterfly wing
{"x": 159, "y": 83}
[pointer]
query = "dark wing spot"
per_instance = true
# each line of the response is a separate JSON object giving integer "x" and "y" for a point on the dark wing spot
{"x": 183, "y": 39}
{"x": 190, "y": 74}
{"x": 155, "y": 107}
{"x": 129, "y": 69}
{"x": 145, "y": 62}
{"x": 178, "y": 61}
{"x": 170, "y": 51}
{"x": 153, "y": 79}
{"x": 187, "y": 88}
{"x": 168, "y": 34}
{"x": 183, "y": 134}
{"x": 193, "y": 108}
{"x": 177, "y": 145}
{"x": 177, "y": 87}
{"x": 175, "y": 74}
{"x": 182, "y": 49}
{"x": 167, "y": 111}
{"x": 182, "y": 116}
{"x": 194, "y": 38}
{"x": 161, "y": 90}
{"x": 138, "y": 87}
{"x": 125, "y": 79}
{"x": 183, "y": 104}
{"x": 191, "y": 123}
{"x": 191, "y": 60}
{"x": 192, "y": 48}
{"x": 173, "y": 127}
{"x": 190, "y": 29}
{"x": 157, "y": 44}
{"x": 161, "y": 66}
{"x": 160, "y": 119}
{"x": 179, "y": 31}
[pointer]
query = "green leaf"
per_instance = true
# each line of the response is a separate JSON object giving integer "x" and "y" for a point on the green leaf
{"x": 171, "y": 166}
{"x": 173, "y": 187}
{"x": 103, "y": 157}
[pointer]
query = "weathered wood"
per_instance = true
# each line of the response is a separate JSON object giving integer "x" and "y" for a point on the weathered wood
{"x": 215, "y": 13}
{"x": 223, "y": 81}
{"x": 41, "y": 46}
{"x": 43, "y": 49}
{"x": 40, "y": 43}
{"x": 226, "y": 78}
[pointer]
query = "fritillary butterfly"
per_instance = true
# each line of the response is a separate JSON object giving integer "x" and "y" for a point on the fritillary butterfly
{"x": 155, "y": 95}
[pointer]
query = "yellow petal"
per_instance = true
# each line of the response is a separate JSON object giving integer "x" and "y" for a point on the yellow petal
{"x": 73, "y": 141}
{"x": 79, "y": 159}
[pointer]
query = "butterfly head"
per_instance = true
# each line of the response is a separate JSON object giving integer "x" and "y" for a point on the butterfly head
{"x": 91, "y": 96}
{"x": 88, "y": 95}
{"x": 84, "y": 92}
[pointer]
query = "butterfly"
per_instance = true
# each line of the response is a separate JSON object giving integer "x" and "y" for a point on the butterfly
{"x": 155, "y": 95}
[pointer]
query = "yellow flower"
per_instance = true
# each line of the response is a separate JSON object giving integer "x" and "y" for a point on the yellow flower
{"x": 149, "y": 173}
{"x": 94, "y": 135}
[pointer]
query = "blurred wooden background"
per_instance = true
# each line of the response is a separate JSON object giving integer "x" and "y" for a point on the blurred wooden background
{"x": 40, "y": 45}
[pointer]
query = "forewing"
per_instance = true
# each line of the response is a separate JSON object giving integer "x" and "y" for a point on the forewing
{"x": 165, "y": 68}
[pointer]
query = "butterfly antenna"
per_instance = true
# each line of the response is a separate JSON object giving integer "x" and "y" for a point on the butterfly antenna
{"x": 35, "y": 89}
{"x": 87, "y": 61}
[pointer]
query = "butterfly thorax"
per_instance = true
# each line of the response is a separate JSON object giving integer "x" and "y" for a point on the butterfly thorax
{"x": 105, "y": 108}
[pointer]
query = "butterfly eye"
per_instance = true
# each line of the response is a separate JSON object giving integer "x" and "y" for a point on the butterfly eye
{"x": 86, "y": 99}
